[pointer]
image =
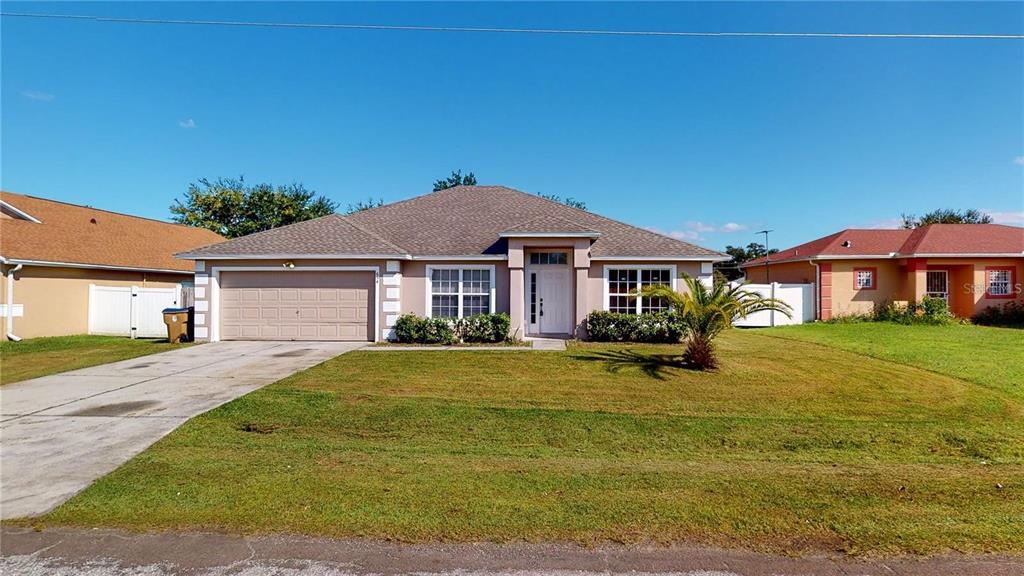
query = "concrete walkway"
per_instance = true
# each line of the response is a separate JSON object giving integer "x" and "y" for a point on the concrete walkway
{"x": 111, "y": 553}
{"x": 60, "y": 433}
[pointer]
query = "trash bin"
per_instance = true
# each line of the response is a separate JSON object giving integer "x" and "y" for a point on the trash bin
{"x": 178, "y": 321}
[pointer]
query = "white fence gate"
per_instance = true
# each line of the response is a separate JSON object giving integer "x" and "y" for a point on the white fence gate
{"x": 800, "y": 297}
{"x": 130, "y": 310}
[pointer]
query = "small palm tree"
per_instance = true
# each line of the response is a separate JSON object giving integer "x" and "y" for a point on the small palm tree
{"x": 706, "y": 312}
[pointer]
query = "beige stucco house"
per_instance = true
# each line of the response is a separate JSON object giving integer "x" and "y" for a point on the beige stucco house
{"x": 452, "y": 253}
{"x": 52, "y": 252}
{"x": 971, "y": 266}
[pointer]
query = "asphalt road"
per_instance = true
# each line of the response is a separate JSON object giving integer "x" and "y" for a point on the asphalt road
{"x": 76, "y": 552}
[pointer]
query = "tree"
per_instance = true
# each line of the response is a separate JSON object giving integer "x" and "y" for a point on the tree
{"x": 370, "y": 202}
{"x": 570, "y": 201}
{"x": 946, "y": 216}
{"x": 456, "y": 179}
{"x": 232, "y": 208}
{"x": 731, "y": 268}
{"x": 706, "y": 312}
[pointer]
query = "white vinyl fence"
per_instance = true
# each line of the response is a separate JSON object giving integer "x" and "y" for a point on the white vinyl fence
{"x": 130, "y": 310}
{"x": 799, "y": 296}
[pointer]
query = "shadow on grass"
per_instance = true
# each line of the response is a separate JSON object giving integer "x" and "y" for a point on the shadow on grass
{"x": 653, "y": 365}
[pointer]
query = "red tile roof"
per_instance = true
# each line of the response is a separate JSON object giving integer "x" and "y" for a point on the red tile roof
{"x": 69, "y": 233}
{"x": 931, "y": 240}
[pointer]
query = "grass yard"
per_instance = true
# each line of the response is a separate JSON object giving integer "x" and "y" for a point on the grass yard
{"x": 790, "y": 447}
{"x": 992, "y": 357}
{"x": 37, "y": 357}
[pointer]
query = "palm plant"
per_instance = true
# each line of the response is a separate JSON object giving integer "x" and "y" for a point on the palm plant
{"x": 706, "y": 312}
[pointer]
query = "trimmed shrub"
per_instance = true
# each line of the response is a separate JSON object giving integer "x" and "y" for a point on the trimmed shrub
{"x": 659, "y": 327}
{"x": 483, "y": 328}
{"x": 409, "y": 328}
{"x": 1009, "y": 315}
{"x": 488, "y": 328}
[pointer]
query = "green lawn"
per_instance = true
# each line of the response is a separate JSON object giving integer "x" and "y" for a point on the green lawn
{"x": 988, "y": 356}
{"x": 36, "y": 357}
{"x": 789, "y": 447}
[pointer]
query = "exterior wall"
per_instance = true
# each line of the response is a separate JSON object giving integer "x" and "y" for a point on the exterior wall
{"x": 890, "y": 286}
{"x": 390, "y": 276}
{"x": 898, "y": 281}
{"x": 786, "y": 272}
{"x": 415, "y": 283}
{"x": 968, "y": 281}
{"x": 56, "y": 299}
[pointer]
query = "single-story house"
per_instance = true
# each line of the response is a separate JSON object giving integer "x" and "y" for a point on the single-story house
{"x": 51, "y": 252}
{"x": 971, "y": 266}
{"x": 452, "y": 253}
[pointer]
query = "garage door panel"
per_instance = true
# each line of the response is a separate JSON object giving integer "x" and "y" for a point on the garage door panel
{"x": 296, "y": 306}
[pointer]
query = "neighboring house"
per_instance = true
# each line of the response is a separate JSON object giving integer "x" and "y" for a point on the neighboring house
{"x": 452, "y": 253}
{"x": 51, "y": 252}
{"x": 972, "y": 266}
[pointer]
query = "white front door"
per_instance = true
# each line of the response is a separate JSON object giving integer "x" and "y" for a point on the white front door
{"x": 550, "y": 306}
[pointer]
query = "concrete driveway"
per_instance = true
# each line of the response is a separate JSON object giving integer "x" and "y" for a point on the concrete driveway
{"x": 60, "y": 433}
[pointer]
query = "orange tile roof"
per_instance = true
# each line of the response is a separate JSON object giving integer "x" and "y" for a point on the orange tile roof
{"x": 933, "y": 239}
{"x": 69, "y": 233}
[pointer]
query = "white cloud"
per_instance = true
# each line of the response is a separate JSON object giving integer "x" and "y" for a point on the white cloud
{"x": 886, "y": 224}
{"x": 699, "y": 227}
{"x": 37, "y": 95}
{"x": 1006, "y": 217}
{"x": 190, "y": 123}
{"x": 1019, "y": 160}
{"x": 694, "y": 231}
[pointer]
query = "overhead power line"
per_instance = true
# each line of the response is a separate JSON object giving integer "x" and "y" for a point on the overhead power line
{"x": 581, "y": 32}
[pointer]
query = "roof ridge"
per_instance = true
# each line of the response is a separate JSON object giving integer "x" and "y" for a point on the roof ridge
{"x": 65, "y": 203}
{"x": 371, "y": 233}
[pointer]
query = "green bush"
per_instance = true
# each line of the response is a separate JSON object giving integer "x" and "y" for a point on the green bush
{"x": 1010, "y": 315}
{"x": 932, "y": 311}
{"x": 489, "y": 328}
{"x": 659, "y": 327}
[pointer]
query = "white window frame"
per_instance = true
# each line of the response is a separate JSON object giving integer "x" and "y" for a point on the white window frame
{"x": 609, "y": 267}
{"x": 460, "y": 267}
{"x": 870, "y": 276}
{"x": 989, "y": 283}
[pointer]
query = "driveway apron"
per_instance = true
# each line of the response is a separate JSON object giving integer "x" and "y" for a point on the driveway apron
{"x": 60, "y": 433}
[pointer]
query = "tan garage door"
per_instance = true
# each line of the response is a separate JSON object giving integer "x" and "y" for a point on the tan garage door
{"x": 296, "y": 305}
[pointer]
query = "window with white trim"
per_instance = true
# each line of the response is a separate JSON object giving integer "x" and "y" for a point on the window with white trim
{"x": 460, "y": 292}
{"x": 865, "y": 279}
{"x": 622, "y": 282}
{"x": 999, "y": 282}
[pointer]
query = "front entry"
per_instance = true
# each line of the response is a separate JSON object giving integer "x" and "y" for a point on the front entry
{"x": 549, "y": 299}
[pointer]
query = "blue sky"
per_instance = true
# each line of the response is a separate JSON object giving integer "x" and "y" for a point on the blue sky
{"x": 709, "y": 139}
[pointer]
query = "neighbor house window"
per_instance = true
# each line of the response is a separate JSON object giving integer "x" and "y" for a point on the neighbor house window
{"x": 622, "y": 282}
{"x": 864, "y": 278}
{"x": 999, "y": 282}
{"x": 460, "y": 292}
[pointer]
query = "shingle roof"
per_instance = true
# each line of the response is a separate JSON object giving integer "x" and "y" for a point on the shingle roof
{"x": 328, "y": 235}
{"x": 74, "y": 234}
{"x": 953, "y": 239}
{"x": 549, "y": 224}
{"x": 460, "y": 221}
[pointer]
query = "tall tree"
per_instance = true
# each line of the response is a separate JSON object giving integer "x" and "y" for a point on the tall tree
{"x": 456, "y": 179}
{"x": 570, "y": 201}
{"x": 946, "y": 216}
{"x": 232, "y": 208}
{"x": 731, "y": 268}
